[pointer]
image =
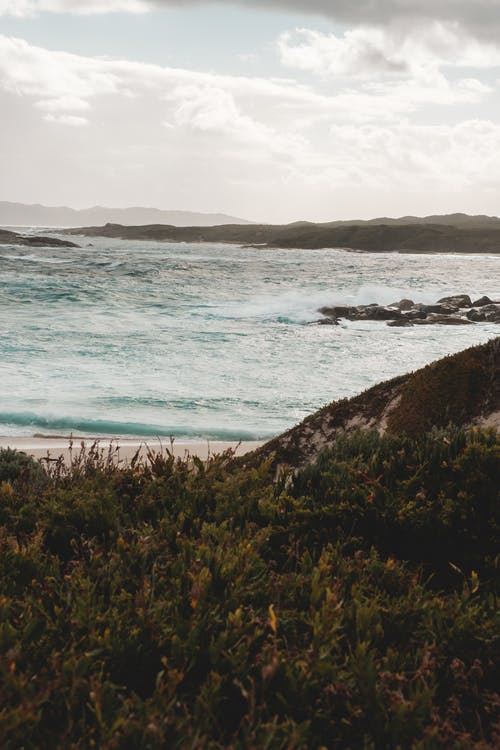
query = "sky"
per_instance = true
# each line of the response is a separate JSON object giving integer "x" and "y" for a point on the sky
{"x": 270, "y": 110}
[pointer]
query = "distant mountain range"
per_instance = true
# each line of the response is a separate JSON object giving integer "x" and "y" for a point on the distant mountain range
{"x": 453, "y": 233}
{"x": 36, "y": 215}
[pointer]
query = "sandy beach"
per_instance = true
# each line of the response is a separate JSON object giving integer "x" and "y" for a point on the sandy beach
{"x": 41, "y": 447}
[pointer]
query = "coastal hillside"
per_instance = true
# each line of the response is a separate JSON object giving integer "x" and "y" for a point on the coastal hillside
{"x": 463, "y": 389}
{"x": 461, "y": 235}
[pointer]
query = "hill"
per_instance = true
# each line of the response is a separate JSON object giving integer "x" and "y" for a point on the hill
{"x": 21, "y": 214}
{"x": 466, "y": 235}
{"x": 463, "y": 389}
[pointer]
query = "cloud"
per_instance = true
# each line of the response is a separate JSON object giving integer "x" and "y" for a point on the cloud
{"x": 151, "y": 133}
{"x": 362, "y": 52}
{"x": 480, "y": 17}
{"x": 393, "y": 69}
{"x": 369, "y": 52}
{"x": 72, "y": 120}
{"x": 61, "y": 84}
{"x": 269, "y": 114}
{"x": 62, "y": 104}
{"x": 213, "y": 109}
{"x": 34, "y": 71}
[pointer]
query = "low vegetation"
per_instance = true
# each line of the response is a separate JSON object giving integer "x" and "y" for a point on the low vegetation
{"x": 182, "y": 604}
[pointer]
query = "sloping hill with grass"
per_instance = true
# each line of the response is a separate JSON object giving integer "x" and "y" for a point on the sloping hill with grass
{"x": 463, "y": 389}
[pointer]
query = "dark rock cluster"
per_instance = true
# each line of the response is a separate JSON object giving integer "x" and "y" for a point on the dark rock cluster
{"x": 456, "y": 310}
{"x": 13, "y": 238}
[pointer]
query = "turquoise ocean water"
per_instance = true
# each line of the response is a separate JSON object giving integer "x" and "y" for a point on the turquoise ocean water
{"x": 208, "y": 341}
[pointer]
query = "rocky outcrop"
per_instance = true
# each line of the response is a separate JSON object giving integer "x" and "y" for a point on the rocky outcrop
{"x": 361, "y": 312}
{"x": 455, "y": 310}
{"x": 13, "y": 238}
{"x": 463, "y": 389}
{"x": 458, "y": 300}
{"x": 482, "y": 301}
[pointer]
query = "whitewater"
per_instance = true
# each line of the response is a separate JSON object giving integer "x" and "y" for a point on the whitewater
{"x": 144, "y": 339}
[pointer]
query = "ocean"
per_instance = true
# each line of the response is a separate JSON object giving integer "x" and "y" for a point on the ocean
{"x": 145, "y": 339}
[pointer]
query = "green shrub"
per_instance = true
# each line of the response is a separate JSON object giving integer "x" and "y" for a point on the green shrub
{"x": 178, "y": 604}
{"x": 16, "y": 465}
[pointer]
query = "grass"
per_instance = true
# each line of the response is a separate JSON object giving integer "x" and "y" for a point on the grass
{"x": 454, "y": 389}
{"x": 177, "y": 604}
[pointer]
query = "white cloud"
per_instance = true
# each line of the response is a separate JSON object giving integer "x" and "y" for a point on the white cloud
{"x": 72, "y": 120}
{"x": 212, "y": 109}
{"x": 251, "y": 107}
{"x": 362, "y": 52}
{"x": 34, "y": 71}
{"x": 370, "y": 52}
{"x": 63, "y": 104}
{"x": 392, "y": 68}
{"x": 62, "y": 84}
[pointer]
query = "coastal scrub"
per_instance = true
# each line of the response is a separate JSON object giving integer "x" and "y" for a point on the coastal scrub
{"x": 184, "y": 604}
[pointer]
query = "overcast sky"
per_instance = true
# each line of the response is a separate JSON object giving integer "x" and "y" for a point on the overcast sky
{"x": 272, "y": 110}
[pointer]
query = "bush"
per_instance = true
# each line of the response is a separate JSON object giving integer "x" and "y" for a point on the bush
{"x": 16, "y": 465}
{"x": 182, "y": 604}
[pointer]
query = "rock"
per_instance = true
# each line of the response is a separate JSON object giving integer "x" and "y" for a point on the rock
{"x": 491, "y": 308}
{"x": 447, "y": 320}
{"x": 487, "y": 313}
{"x": 492, "y": 315}
{"x": 447, "y": 311}
{"x": 402, "y": 322}
{"x": 482, "y": 301}
{"x": 457, "y": 300}
{"x": 7, "y": 238}
{"x": 324, "y": 322}
{"x": 406, "y": 304}
{"x": 338, "y": 311}
{"x": 414, "y": 314}
{"x": 437, "y": 308}
{"x": 477, "y": 316}
{"x": 361, "y": 312}
{"x": 381, "y": 313}
{"x": 403, "y": 304}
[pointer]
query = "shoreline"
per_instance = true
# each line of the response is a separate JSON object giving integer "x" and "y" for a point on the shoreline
{"x": 126, "y": 448}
